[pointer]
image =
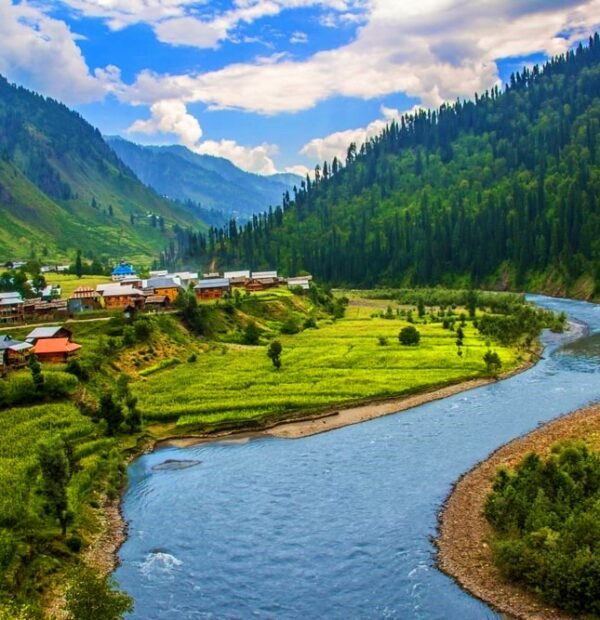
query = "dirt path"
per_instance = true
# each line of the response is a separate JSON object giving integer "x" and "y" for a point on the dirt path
{"x": 463, "y": 552}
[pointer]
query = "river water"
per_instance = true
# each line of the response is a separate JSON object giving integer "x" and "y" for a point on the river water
{"x": 337, "y": 525}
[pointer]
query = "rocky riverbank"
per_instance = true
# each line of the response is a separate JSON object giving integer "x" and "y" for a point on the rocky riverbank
{"x": 463, "y": 550}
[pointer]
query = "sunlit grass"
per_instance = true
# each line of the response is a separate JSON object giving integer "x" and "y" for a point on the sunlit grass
{"x": 338, "y": 363}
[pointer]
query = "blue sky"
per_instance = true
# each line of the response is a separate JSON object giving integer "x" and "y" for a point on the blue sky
{"x": 274, "y": 85}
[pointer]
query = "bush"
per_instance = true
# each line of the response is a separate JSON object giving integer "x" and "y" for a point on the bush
{"x": 409, "y": 336}
{"x": 290, "y": 326}
{"x": 251, "y": 334}
{"x": 546, "y": 516}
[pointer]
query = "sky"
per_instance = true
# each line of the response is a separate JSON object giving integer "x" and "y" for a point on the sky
{"x": 274, "y": 85}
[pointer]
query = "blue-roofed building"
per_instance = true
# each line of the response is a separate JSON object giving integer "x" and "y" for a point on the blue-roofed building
{"x": 122, "y": 271}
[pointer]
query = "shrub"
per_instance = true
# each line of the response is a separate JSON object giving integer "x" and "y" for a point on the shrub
{"x": 290, "y": 326}
{"x": 409, "y": 336}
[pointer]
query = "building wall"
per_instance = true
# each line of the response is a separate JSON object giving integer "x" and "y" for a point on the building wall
{"x": 209, "y": 293}
{"x": 170, "y": 293}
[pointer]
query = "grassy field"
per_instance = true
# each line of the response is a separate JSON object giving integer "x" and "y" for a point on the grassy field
{"x": 69, "y": 282}
{"x": 338, "y": 363}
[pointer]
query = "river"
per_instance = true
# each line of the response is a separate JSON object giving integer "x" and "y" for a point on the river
{"x": 337, "y": 525}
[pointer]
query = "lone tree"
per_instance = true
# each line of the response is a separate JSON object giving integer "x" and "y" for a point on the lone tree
{"x": 36, "y": 374}
{"x": 274, "y": 352}
{"x": 55, "y": 475}
{"x": 251, "y": 332}
{"x": 409, "y": 335}
{"x": 112, "y": 412}
{"x": 492, "y": 362}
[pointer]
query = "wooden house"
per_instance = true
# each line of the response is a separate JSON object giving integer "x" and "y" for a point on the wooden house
{"x": 13, "y": 353}
{"x": 11, "y": 307}
{"x": 213, "y": 288}
{"x": 156, "y": 302}
{"x": 46, "y": 333}
{"x": 123, "y": 296}
{"x": 165, "y": 287}
{"x": 84, "y": 299}
{"x": 55, "y": 350}
{"x": 237, "y": 279}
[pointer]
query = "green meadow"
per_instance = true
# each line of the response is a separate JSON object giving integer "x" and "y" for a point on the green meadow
{"x": 338, "y": 363}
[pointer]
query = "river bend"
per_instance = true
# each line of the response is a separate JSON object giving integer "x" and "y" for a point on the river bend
{"x": 337, "y": 525}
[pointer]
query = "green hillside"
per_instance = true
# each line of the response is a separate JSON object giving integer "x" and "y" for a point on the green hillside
{"x": 62, "y": 188}
{"x": 501, "y": 191}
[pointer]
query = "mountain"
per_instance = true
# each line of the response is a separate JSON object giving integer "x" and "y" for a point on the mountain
{"x": 62, "y": 188}
{"x": 501, "y": 191}
{"x": 210, "y": 183}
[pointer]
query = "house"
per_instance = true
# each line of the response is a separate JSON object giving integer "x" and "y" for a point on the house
{"x": 121, "y": 271}
{"x": 213, "y": 288}
{"x": 50, "y": 292}
{"x": 46, "y": 333}
{"x": 55, "y": 350}
{"x": 260, "y": 284}
{"x": 50, "y": 310}
{"x": 167, "y": 287}
{"x": 13, "y": 352}
{"x": 211, "y": 275}
{"x": 185, "y": 277}
{"x": 237, "y": 279}
{"x": 83, "y": 299}
{"x": 17, "y": 354}
{"x": 159, "y": 273}
{"x": 156, "y": 302}
{"x": 122, "y": 296}
{"x": 132, "y": 281}
{"x": 11, "y": 307}
{"x": 302, "y": 281}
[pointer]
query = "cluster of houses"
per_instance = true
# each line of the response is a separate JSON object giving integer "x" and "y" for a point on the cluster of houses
{"x": 48, "y": 344}
{"x": 128, "y": 291}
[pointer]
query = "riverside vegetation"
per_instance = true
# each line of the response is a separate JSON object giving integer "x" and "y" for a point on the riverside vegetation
{"x": 546, "y": 520}
{"x": 204, "y": 370}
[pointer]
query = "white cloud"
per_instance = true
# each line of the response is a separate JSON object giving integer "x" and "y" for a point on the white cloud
{"x": 254, "y": 159}
{"x": 299, "y": 37}
{"x": 182, "y": 22}
{"x": 435, "y": 50}
{"x": 299, "y": 169}
{"x": 336, "y": 144}
{"x": 41, "y": 52}
{"x": 170, "y": 117}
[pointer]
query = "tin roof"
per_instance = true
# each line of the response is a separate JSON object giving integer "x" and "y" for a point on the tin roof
{"x": 44, "y": 332}
{"x": 213, "y": 283}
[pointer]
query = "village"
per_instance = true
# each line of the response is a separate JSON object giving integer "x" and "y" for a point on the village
{"x": 126, "y": 292}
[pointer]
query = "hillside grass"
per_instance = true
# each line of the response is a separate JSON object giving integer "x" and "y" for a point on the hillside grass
{"x": 69, "y": 282}
{"x": 339, "y": 363}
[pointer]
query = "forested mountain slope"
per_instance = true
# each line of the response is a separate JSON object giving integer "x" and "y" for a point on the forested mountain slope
{"x": 203, "y": 182}
{"x": 503, "y": 190}
{"x": 62, "y": 188}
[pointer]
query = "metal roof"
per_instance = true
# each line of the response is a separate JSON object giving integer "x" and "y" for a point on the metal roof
{"x": 44, "y": 332}
{"x": 237, "y": 274}
{"x": 261, "y": 275}
{"x": 13, "y": 295}
{"x": 162, "y": 283}
{"x": 213, "y": 283}
{"x": 20, "y": 346}
{"x": 7, "y": 341}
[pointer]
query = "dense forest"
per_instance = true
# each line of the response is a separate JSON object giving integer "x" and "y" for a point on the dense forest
{"x": 501, "y": 190}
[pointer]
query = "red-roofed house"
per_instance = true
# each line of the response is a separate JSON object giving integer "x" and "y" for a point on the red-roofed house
{"x": 55, "y": 350}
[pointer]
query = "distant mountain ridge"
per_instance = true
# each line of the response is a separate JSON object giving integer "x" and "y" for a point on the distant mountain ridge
{"x": 212, "y": 182}
{"x": 62, "y": 188}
